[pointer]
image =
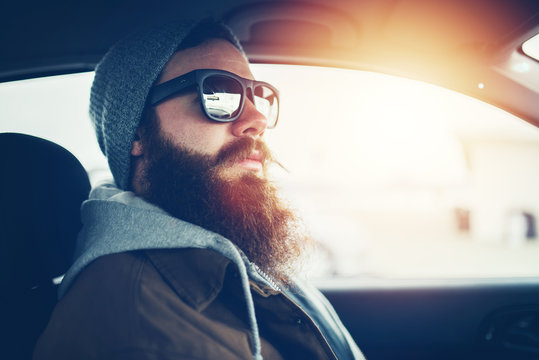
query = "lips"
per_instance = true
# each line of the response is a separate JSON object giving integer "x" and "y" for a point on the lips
{"x": 256, "y": 155}
{"x": 246, "y": 153}
{"x": 254, "y": 161}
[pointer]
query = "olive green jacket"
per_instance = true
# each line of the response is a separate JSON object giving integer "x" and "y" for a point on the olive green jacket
{"x": 146, "y": 285}
{"x": 174, "y": 304}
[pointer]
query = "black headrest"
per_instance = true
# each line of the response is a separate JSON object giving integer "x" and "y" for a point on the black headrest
{"x": 41, "y": 190}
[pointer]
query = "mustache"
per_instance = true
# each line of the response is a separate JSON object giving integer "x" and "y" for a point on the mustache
{"x": 241, "y": 149}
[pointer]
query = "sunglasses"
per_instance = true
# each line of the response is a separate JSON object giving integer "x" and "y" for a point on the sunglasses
{"x": 222, "y": 94}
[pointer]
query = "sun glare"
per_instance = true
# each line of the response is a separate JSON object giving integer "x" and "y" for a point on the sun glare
{"x": 394, "y": 130}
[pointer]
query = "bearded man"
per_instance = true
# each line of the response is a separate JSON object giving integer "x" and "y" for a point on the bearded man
{"x": 190, "y": 254}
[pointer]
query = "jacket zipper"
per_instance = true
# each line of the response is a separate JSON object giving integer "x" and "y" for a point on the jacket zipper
{"x": 266, "y": 277}
{"x": 318, "y": 333}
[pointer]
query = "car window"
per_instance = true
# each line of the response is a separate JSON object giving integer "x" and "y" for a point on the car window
{"x": 55, "y": 108}
{"x": 393, "y": 177}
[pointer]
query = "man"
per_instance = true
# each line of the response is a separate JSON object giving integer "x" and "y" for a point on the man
{"x": 190, "y": 255}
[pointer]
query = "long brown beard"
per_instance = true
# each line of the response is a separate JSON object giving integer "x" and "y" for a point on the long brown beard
{"x": 241, "y": 206}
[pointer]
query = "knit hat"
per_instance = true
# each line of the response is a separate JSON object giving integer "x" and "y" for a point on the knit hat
{"x": 123, "y": 79}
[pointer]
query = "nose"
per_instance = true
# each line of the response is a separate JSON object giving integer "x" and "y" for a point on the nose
{"x": 250, "y": 123}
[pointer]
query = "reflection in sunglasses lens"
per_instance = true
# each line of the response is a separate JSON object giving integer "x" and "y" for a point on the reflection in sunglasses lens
{"x": 222, "y": 96}
{"x": 266, "y": 103}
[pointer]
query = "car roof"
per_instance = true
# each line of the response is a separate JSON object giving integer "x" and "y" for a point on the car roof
{"x": 458, "y": 44}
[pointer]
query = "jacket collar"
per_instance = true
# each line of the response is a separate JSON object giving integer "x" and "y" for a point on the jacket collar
{"x": 196, "y": 275}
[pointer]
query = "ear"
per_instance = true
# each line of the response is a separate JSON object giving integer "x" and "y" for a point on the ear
{"x": 137, "y": 149}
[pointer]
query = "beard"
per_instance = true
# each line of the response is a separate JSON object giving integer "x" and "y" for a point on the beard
{"x": 212, "y": 192}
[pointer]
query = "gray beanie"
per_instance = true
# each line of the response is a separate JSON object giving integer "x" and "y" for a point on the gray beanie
{"x": 123, "y": 79}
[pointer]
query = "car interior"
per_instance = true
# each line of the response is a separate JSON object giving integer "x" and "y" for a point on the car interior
{"x": 477, "y": 48}
{"x": 43, "y": 186}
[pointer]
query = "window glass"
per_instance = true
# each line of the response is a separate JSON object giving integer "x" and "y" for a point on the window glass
{"x": 402, "y": 179}
{"x": 55, "y": 108}
{"x": 394, "y": 178}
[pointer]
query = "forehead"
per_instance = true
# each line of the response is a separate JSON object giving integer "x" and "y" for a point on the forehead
{"x": 211, "y": 54}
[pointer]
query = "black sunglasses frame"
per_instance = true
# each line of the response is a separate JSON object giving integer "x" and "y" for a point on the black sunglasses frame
{"x": 164, "y": 91}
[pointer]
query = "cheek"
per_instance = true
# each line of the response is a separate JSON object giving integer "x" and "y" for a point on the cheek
{"x": 204, "y": 139}
{"x": 188, "y": 128}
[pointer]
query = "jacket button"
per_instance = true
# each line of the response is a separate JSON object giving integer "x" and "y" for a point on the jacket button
{"x": 298, "y": 321}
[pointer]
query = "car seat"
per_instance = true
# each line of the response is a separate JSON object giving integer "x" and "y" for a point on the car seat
{"x": 41, "y": 190}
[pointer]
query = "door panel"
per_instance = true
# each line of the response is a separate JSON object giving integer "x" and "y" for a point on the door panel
{"x": 426, "y": 320}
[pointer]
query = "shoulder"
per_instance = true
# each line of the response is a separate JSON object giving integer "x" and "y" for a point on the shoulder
{"x": 90, "y": 319}
{"x": 138, "y": 278}
{"x": 143, "y": 301}
{"x": 122, "y": 273}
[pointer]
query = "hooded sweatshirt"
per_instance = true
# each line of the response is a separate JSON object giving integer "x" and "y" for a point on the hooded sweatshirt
{"x": 116, "y": 221}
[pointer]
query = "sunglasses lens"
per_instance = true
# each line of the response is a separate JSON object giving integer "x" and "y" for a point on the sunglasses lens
{"x": 267, "y": 103}
{"x": 221, "y": 97}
